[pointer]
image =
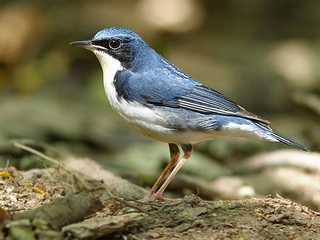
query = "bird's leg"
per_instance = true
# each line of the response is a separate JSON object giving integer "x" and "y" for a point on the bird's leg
{"x": 174, "y": 154}
{"x": 187, "y": 148}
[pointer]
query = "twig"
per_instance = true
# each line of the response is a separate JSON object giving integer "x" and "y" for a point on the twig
{"x": 40, "y": 154}
{"x": 129, "y": 204}
{"x": 124, "y": 201}
{"x": 7, "y": 165}
{"x": 52, "y": 160}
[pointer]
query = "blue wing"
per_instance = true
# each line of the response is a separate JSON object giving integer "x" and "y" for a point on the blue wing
{"x": 177, "y": 90}
{"x": 206, "y": 100}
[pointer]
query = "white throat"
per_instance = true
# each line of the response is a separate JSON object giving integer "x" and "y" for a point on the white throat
{"x": 110, "y": 66}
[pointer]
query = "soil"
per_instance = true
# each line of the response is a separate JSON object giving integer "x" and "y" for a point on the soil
{"x": 117, "y": 218}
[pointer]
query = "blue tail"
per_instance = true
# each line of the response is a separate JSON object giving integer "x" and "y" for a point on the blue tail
{"x": 290, "y": 143}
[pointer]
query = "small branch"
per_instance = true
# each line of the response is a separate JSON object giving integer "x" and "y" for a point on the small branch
{"x": 40, "y": 154}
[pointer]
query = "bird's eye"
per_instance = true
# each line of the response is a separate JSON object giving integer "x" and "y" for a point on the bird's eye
{"x": 114, "y": 43}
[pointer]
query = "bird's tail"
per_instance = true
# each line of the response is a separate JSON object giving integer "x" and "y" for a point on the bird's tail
{"x": 290, "y": 143}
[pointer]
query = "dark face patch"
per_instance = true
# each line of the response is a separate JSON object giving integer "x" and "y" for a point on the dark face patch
{"x": 119, "y": 48}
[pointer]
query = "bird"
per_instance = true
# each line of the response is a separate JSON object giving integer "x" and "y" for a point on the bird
{"x": 163, "y": 103}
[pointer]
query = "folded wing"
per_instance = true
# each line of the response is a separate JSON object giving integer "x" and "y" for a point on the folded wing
{"x": 205, "y": 100}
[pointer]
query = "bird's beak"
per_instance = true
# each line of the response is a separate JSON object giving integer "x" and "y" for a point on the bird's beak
{"x": 83, "y": 44}
{"x": 87, "y": 45}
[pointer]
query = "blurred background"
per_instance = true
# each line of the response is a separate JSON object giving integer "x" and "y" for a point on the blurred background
{"x": 262, "y": 54}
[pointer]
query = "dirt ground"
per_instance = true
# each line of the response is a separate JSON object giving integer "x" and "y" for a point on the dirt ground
{"x": 72, "y": 202}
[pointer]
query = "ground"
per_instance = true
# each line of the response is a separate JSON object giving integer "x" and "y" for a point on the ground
{"x": 70, "y": 202}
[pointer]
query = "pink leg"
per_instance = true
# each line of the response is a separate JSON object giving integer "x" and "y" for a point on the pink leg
{"x": 174, "y": 154}
{"x": 187, "y": 148}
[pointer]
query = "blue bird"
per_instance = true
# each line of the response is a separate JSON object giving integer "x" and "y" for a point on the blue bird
{"x": 163, "y": 103}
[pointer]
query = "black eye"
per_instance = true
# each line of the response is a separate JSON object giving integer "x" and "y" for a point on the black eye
{"x": 114, "y": 43}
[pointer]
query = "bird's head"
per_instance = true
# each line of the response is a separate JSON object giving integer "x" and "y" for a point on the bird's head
{"x": 117, "y": 45}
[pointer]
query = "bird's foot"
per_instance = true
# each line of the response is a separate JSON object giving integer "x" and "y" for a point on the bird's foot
{"x": 154, "y": 197}
{"x": 158, "y": 196}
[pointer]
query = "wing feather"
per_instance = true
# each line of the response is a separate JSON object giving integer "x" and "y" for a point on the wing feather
{"x": 205, "y": 100}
